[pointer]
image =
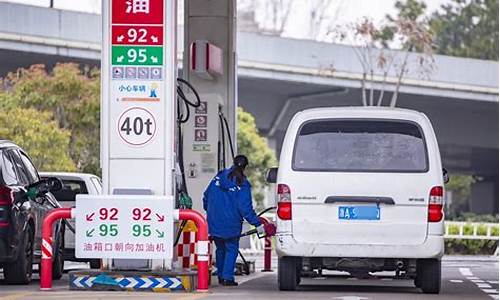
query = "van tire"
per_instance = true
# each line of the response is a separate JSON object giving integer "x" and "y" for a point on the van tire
{"x": 429, "y": 275}
{"x": 21, "y": 270}
{"x": 287, "y": 273}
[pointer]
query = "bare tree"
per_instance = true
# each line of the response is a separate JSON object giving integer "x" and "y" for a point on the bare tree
{"x": 371, "y": 44}
{"x": 320, "y": 12}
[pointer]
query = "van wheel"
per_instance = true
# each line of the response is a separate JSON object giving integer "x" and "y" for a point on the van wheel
{"x": 287, "y": 273}
{"x": 429, "y": 275}
{"x": 20, "y": 271}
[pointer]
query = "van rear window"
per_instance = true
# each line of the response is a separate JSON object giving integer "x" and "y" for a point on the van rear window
{"x": 360, "y": 146}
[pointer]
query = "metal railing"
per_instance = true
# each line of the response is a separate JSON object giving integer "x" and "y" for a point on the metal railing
{"x": 471, "y": 230}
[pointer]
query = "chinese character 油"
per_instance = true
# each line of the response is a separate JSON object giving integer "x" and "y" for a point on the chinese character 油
{"x": 137, "y": 6}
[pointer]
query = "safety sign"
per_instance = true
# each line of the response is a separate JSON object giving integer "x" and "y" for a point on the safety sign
{"x": 137, "y": 126}
{"x": 112, "y": 226}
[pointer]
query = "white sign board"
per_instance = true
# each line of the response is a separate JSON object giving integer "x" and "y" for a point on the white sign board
{"x": 113, "y": 226}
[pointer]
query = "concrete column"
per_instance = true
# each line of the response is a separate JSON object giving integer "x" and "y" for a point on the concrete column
{"x": 484, "y": 196}
{"x": 215, "y": 22}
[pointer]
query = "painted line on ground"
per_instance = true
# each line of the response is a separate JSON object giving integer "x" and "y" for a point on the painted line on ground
{"x": 481, "y": 284}
{"x": 456, "y": 281}
{"x": 465, "y": 272}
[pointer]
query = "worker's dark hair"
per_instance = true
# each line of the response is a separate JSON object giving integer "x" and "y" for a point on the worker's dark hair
{"x": 239, "y": 164}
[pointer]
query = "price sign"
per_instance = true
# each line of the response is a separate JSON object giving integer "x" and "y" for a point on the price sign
{"x": 137, "y": 35}
{"x": 124, "y": 55}
{"x": 123, "y": 227}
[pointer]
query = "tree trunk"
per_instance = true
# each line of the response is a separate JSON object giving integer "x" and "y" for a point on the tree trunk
{"x": 400, "y": 78}
{"x": 363, "y": 89}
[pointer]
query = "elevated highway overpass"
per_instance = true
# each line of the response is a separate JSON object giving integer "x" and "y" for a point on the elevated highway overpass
{"x": 278, "y": 77}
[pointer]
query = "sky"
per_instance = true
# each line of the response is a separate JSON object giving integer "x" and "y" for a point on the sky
{"x": 344, "y": 11}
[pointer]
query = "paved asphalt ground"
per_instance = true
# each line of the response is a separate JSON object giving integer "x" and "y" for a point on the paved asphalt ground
{"x": 463, "y": 278}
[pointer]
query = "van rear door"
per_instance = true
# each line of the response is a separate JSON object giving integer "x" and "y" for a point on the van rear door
{"x": 359, "y": 181}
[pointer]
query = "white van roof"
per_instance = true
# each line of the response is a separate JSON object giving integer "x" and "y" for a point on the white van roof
{"x": 361, "y": 112}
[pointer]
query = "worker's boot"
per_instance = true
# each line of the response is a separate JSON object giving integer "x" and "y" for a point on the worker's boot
{"x": 229, "y": 283}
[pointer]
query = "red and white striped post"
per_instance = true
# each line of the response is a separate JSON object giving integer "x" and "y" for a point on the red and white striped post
{"x": 46, "y": 264}
{"x": 201, "y": 244}
{"x": 268, "y": 247}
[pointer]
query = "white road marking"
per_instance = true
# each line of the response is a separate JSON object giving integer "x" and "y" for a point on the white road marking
{"x": 465, "y": 272}
{"x": 494, "y": 296}
{"x": 490, "y": 291}
{"x": 456, "y": 281}
{"x": 477, "y": 281}
{"x": 483, "y": 286}
{"x": 472, "y": 278}
{"x": 493, "y": 281}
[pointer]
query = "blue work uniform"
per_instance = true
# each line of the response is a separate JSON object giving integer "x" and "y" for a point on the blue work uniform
{"x": 227, "y": 204}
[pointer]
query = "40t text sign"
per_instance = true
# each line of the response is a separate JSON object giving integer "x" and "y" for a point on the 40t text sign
{"x": 137, "y": 126}
{"x": 123, "y": 227}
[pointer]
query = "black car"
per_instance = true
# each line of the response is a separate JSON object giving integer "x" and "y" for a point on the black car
{"x": 24, "y": 202}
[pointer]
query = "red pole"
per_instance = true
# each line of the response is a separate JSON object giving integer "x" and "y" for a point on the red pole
{"x": 46, "y": 264}
{"x": 267, "y": 249}
{"x": 201, "y": 245}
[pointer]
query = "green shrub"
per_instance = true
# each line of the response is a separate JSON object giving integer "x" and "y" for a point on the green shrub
{"x": 470, "y": 247}
{"x": 468, "y": 229}
{"x": 453, "y": 229}
{"x": 482, "y": 230}
{"x": 494, "y": 230}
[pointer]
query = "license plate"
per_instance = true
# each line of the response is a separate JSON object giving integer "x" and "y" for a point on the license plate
{"x": 359, "y": 213}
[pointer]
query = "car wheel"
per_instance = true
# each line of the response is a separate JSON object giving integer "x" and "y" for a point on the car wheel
{"x": 287, "y": 273}
{"x": 21, "y": 270}
{"x": 429, "y": 275}
{"x": 58, "y": 263}
{"x": 95, "y": 264}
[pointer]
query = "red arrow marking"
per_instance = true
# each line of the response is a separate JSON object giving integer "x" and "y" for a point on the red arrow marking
{"x": 160, "y": 218}
{"x": 89, "y": 217}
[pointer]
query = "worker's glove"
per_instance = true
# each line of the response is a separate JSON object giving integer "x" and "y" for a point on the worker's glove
{"x": 261, "y": 231}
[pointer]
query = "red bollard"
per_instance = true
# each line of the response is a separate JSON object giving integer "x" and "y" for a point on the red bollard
{"x": 46, "y": 264}
{"x": 267, "y": 249}
{"x": 201, "y": 245}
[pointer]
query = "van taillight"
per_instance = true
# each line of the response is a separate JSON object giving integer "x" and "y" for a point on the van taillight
{"x": 284, "y": 202}
{"x": 6, "y": 200}
{"x": 436, "y": 199}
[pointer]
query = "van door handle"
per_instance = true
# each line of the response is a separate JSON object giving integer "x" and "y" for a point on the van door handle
{"x": 354, "y": 199}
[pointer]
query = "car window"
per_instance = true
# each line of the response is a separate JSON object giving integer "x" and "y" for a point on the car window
{"x": 97, "y": 184}
{"x": 360, "y": 146}
{"x": 70, "y": 189}
{"x": 8, "y": 170}
{"x": 32, "y": 173}
{"x": 22, "y": 174}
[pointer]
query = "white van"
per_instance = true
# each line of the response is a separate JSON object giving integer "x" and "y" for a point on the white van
{"x": 360, "y": 189}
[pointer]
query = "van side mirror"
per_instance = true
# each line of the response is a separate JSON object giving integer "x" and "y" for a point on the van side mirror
{"x": 272, "y": 175}
{"x": 446, "y": 177}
